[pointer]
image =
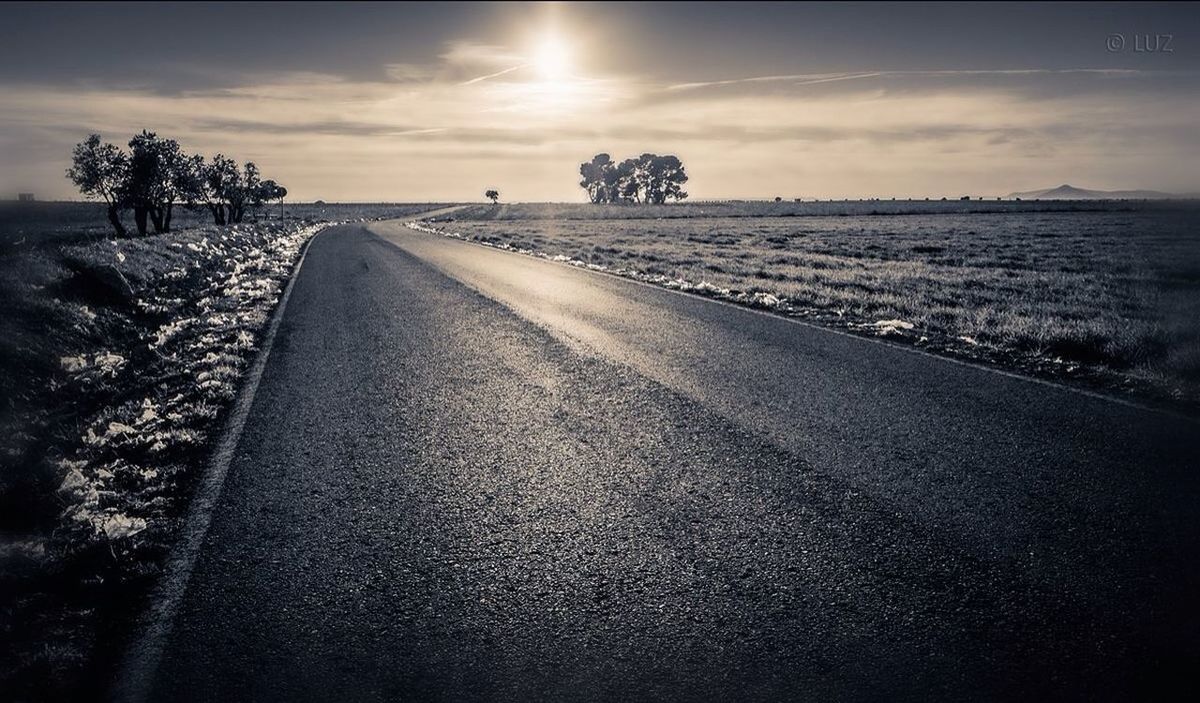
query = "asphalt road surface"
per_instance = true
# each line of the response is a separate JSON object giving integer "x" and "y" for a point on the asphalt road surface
{"x": 472, "y": 475}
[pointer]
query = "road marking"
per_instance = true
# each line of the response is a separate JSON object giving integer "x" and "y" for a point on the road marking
{"x": 141, "y": 661}
{"x": 808, "y": 324}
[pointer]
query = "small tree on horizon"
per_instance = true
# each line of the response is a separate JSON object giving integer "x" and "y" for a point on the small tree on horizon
{"x": 269, "y": 190}
{"x": 493, "y": 195}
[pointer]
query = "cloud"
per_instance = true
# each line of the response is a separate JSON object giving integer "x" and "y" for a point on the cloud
{"x": 227, "y": 125}
{"x": 475, "y": 55}
{"x": 817, "y": 78}
{"x": 470, "y": 119}
{"x": 404, "y": 72}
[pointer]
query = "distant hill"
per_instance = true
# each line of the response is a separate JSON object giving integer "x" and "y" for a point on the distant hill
{"x": 1067, "y": 192}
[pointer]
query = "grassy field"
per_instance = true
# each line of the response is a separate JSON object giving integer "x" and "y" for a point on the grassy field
{"x": 1112, "y": 296}
{"x": 826, "y": 208}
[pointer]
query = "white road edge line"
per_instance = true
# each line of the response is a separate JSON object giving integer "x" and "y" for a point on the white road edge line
{"x": 140, "y": 663}
{"x": 1098, "y": 395}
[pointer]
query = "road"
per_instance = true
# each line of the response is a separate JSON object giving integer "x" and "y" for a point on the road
{"x": 473, "y": 475}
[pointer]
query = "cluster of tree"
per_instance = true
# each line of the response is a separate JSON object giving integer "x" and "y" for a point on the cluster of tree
{"x": 155, "y": 175}
{"x": 649, "y": 178}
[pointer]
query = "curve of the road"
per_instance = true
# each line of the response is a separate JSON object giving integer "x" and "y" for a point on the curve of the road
{"x": 472, "y": 475}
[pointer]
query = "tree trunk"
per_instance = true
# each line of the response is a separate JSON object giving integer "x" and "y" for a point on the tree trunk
{"x": 114, "y": 218}
{"x": 139, "y": 218}
{"x": 167, "y": 217}
{"x": 156, "y": 219}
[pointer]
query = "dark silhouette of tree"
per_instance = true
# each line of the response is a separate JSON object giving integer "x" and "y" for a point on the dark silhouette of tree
{"x": 250, "y": 193}
{"x": 493, "y": 195}
{"x": 99, "y": 170}
{"x": 156, "y": 174}
{"x": 628, "y": 186}
{"x": 596, "y": 179}
{"x": 650, "y": 178}
{"x": 230, "y": 190}
{"x": 270, "y": 190}
{"x": 157, "y": 178}
{"x": 197, "y": 189}
{"x": 222, "y": 180}
{"x": 662, "y": 178}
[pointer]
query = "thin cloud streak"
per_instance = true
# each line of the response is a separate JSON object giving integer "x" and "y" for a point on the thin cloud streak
{"x": 497, "y": 74}
{"x": 814, "y": 78}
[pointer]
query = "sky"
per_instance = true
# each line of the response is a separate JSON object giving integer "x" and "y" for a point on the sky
{"x": 439, "y": 102}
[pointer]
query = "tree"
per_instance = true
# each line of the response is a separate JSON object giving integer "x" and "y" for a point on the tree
{"x": 664, "y": 178}
{"x": 99, "y": 170}
{"x": 194, "y": 186}
{"x": 610, "y": 183}
{"x": 493, "y": 195}
{"x": 156, "y": 174}
{"x": 229, "y": 190}
{"x": 628, "y": 187}
{"x": 649, "y": 178}
{"x": 157, "y": 178}
{"x": 270, "y": 190}
{"x": 596, "y": 177}
{"x": 248, "y": 194}
{"x": 220, "y": 180}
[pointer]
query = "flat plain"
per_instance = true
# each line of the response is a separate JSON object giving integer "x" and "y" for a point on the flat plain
{"x": 1103, "y": 292}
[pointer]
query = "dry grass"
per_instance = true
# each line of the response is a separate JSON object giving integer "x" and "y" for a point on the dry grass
{"x": 1112, "y": 295}
{"x": 787, "y": 208}
{"x": 105, "y": 420}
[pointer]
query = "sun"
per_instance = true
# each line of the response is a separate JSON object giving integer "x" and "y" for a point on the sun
{"x": 552, "y": 58}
